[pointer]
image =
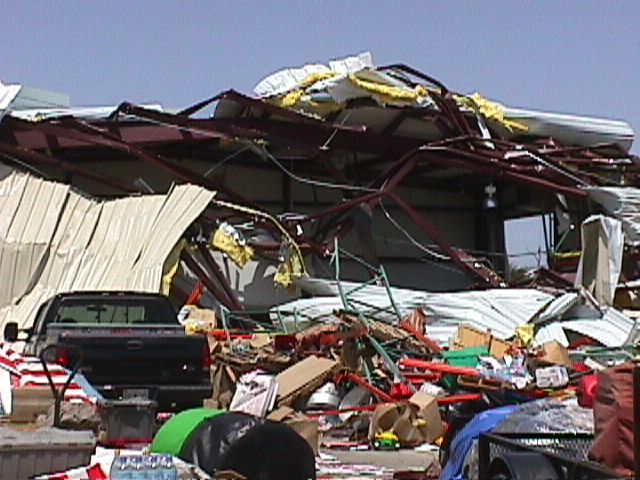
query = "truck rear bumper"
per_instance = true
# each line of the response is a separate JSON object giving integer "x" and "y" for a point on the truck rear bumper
{"x": 168, "y": 397}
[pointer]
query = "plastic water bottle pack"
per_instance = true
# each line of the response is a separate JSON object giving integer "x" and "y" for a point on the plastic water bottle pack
{"x": 143, "y": 467}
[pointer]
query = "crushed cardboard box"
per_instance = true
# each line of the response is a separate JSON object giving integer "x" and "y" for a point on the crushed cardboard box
{"x": 429, "y": 412}
{"x": 468, "y": 336}
{"x": 303, "y": 378}
{"x": 554, "y": 352}
{"x": 414, "y": 423}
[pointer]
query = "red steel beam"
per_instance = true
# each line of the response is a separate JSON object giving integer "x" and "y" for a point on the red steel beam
{"x": 300, "y": 130}
{"x": 132, "y": 133}
{"x": 88, "y": 133}
{"x": 39, "y": 158}
{"x": 200, "y": 272}
{"x": 444, "y": 401}
{"x": 433, "y": 346}
{"x": 438, "y": 367}
{"x": 458, "y": 256}
{"x": 222, "y": 280}
{"x": 352, "y": 377}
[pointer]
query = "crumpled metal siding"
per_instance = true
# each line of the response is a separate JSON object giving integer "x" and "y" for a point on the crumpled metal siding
{"x": 86, "y": 244}
{"x": 498, "y": 310}
{"x": 29, "y": 209}
{"x": 624, "y": 204}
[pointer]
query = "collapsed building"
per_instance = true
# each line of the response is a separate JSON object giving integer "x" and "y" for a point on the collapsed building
{"x": 249, "y": 202}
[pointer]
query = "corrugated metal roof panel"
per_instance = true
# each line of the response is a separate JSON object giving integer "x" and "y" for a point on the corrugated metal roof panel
{"x": 550, "y": 332}
{"x": 499, "y": 310}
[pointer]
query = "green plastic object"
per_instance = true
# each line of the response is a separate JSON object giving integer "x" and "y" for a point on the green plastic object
{"x": 467, "y": 357}
{"x": 173, "y": 435}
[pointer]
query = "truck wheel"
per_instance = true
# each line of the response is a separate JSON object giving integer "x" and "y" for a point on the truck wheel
{"x": 522, "y": 466}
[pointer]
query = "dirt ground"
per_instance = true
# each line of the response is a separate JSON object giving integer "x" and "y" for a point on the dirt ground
{"x": 399, "y": 460}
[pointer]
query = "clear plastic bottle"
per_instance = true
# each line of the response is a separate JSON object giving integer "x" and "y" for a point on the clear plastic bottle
{"x": 168, "y": 468}
{"x": 121, "y": 469}
{"x": 140, "y": 467}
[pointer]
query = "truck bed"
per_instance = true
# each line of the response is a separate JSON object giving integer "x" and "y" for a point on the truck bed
{"x": 137, "y": 356}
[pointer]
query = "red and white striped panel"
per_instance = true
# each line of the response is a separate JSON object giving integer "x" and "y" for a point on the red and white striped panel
{"x": 94, "y": 472}
{"x": 28, "y": 372}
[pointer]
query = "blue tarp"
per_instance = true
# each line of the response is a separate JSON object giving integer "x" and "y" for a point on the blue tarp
{"x": 482, "y": 423}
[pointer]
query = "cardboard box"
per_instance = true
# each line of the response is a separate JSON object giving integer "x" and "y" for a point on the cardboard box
{"x": 429, "y": 412}
{"x": 30, "y": 402}
{"x": 499, "y": 348}
{"x": 468, "y": 336}
{"x": 414, "y": 423}
{"x": 554, "y": 352}
{"x": 471, "y": 337}
{"x": 399, "y": 419}
{"x": 303, "y": 378}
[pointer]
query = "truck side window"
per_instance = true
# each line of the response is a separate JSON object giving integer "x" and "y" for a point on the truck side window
{"x": 38, "y": 323}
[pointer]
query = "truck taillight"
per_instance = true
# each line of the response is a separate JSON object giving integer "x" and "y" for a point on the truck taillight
{"x": 62, "y": 357}
{"x": 206, "y": 357}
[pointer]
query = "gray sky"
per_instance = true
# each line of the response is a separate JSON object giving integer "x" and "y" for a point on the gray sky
{"x": 580, "y": 57}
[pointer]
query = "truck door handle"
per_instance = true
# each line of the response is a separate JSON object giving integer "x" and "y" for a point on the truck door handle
{"x": 134, "y": 345}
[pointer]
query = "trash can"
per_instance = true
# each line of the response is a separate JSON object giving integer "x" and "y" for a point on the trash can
{"x": 124, "y": 423}
{"x": 28, "y": 453}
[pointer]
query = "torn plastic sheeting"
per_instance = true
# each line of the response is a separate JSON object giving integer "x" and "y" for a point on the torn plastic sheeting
{"x": 601, "y": 260}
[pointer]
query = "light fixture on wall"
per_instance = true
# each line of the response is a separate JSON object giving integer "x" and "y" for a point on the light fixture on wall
{"x": 490, "y": 201}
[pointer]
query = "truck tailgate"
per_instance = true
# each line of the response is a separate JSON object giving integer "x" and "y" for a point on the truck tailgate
{"x": 139, "y": 358}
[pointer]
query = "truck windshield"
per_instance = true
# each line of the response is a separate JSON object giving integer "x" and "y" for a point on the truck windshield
{"x": 114, "y": 311}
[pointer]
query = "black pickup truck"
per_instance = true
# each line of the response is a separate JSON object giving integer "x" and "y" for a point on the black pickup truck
{"x": 132, "y": 346}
